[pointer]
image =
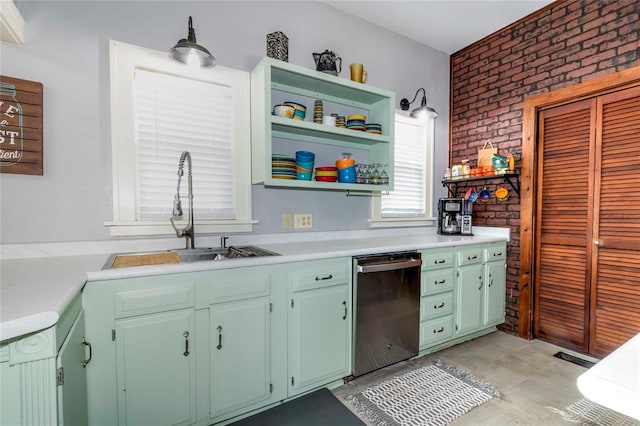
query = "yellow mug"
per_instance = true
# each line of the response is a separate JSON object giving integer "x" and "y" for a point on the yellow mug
{"x": 358, "y": 73}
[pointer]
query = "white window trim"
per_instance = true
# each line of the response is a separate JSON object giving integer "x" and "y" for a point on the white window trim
{"x": 377, "y": 221}
{"x": 124, "y": 59}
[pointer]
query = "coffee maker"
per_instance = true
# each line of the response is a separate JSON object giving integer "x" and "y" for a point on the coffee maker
{"x": 454, "y": 216}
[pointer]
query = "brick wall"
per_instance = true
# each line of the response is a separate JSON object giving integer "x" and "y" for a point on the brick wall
{"x": 566, "y": 43}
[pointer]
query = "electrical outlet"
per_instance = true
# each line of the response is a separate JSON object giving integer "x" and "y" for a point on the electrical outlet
{"x": 287, "y": 220}
{"x": 303, "y": 220}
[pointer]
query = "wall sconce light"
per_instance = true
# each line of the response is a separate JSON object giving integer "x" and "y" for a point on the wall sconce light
{"x": 423, "y": 111}
{"x": 187, "y": 51}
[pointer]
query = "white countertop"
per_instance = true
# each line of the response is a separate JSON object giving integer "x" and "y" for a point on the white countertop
{"x": 35, "y": 291}
{"x": 614, "y": 382}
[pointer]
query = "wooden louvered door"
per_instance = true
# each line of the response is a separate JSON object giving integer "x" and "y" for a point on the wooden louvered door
{"x": 615, "y": 299}
{"x": 564, "y": 212}
{"x": 587, "y": 286}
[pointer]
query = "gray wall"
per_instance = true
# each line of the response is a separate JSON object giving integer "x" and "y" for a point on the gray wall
{"x": 66, "y": 48}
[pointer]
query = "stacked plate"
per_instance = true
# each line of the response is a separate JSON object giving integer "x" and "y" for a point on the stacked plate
{"x": 318, "y": 111}
{"x": 373, "y": 128}
{"x": 326, "y": 174}
{"x": 356, "y": 122}
{"x": 283, "y": 167}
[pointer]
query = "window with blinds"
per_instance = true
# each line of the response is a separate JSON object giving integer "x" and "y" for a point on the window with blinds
{"x": 176, "y": 114}
{"x": 407, "y": 200}
{"x": 410, "y": 203}
{"x": 160, "y": 108}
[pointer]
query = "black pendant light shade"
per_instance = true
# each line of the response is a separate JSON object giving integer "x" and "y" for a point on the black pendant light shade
{"x": 423, "y": 111}
{"x": 187, "y": 51}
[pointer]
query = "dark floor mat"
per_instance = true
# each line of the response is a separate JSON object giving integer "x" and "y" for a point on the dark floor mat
{"x": 574, "y": 359}
{"x": 319, "y": 408}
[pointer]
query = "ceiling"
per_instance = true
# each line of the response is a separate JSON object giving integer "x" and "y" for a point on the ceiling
{"x": 445, "y": 25}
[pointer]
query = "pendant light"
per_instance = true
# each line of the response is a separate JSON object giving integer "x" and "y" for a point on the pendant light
{"x": 423, "y": 111}
{"x": 187, "y": 51}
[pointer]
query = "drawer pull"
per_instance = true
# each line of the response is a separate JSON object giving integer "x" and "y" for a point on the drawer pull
{"x": 438, "y": 331}
{"x": 326, "y": 277}
{"x": 497, "y": 254}
{"x": 474, "y": 257}
{"x": 186, "y": 343}
{"x": 438, "y": 306}
{"x": 440, "y": 282}
{"x": 441, "y": 261}
{"x": 88, "y": 360}
{"x": 219, "y": 337}
{"x": 344, "y": 303}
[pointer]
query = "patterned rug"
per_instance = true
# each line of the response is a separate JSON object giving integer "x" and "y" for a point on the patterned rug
{"x": 586, "y": 412}
{"x": 433, "y": 395}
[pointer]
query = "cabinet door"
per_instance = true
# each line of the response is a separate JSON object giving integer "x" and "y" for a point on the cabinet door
{"x": 72, "y": 377}
{"x": 156, "y": 369}
{"x": 240, "y": 355}
{"x": 469, "y": 297}
{"x": 494, "y": 296}
{"x": 319, "y": 337}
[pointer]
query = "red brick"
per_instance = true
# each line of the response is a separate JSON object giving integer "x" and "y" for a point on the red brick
{"x": 582, "y": 37}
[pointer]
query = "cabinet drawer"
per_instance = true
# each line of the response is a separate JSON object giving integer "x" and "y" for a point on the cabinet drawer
{"x": 321, "y": 273}
{"x": 236, "y": 284}
{"x": 470, "y": 256}
{"x": 436, "y": 330}
{"x": 151, "y": 300}
{"x": 496, "y": 251}
{"x": 437, "y": 259}
{"x": 436, "y": 306}
{"x": 437, "y": 281}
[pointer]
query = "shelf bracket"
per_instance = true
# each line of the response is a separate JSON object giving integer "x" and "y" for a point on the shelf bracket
{"x": 513, "y": 179}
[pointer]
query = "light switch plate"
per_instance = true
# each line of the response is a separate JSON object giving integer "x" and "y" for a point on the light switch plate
{"x": 287, "y": 220}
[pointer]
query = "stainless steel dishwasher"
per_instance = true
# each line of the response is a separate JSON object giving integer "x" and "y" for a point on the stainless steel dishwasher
{"x": 386, "y": 311}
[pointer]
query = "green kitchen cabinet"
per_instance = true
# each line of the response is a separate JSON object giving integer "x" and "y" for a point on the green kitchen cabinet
{"x": 437, "y": 281}
{"x": 319, "y": 323}
{"x": 469, "y": 290}
{"x": 495, "y": 278}
{"x": 43, "y": 379}
{"x": 240, "y": 355}
{"x": 143, "y": 335}
{"x": 247, "y": 339}
{"x": 156, "y": 369}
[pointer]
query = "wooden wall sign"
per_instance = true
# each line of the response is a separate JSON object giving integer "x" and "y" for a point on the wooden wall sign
{"x": 20, "y": 126}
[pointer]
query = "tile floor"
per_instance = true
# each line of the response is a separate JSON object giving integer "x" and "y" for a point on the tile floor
{"x": 525, "y": 371}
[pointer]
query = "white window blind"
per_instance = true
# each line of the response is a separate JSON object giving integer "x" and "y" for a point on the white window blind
{"x": 407, "y": 200}
{"x": 175, "y": 114}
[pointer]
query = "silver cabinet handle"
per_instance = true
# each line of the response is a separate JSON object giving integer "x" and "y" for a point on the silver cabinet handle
{"x": 390, "y": 266}
{"x": 88, "y": 360}
{"x": 344, "y": 303}
{"x": 219, "y": 337}
{"x": 596, "y": 242}
{"x": 326, "y": 277}
{"x": 186, "y": 343}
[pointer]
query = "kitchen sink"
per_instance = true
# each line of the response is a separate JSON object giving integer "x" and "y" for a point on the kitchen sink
{"x": 222, "y": 253}
{"x": 185, "y": 255}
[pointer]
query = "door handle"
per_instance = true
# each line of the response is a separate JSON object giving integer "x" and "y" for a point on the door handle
{"x": 88, "y": 360}
{"x": 344, "y": 303}
{"x": 596, "y": 242}
{"x": 219, "y": 337}
{"x": 186, "y": 343}
{"x": 490, "y": 280}
{"x": 481, "y": 283}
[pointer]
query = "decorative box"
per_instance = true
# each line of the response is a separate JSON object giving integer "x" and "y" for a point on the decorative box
{"x": 278, "y": 46}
